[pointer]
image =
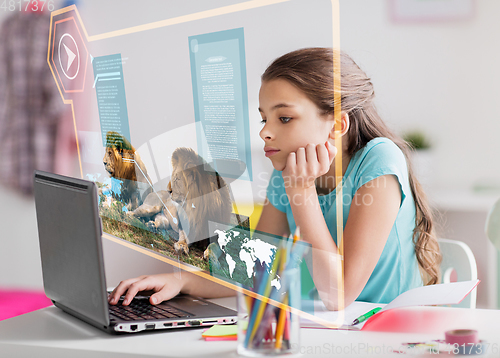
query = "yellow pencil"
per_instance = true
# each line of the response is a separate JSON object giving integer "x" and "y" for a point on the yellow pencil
{"x": 262, "y": 305}
{"x": 280, "y": 327}
{"x": 249, "y": 302}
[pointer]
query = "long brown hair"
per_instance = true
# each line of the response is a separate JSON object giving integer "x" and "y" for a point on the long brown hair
{"x": 311, "y": 70}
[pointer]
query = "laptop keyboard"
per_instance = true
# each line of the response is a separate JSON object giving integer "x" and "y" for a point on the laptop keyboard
{"x": 141, "y": 309}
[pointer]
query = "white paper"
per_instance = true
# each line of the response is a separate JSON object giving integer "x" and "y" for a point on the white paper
{"x": 441, "y": 294}
{"x": 351, "y": 312}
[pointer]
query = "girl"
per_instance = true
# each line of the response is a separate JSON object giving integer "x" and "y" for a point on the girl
{"x": 387, "y": 223}
{"x": 388, "y": 233}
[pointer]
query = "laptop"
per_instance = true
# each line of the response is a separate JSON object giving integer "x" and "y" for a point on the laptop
{"x": 69, "y": 230}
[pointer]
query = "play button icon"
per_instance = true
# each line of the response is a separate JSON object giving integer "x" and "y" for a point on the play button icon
{"x": 71, "y": 57}
{"x": 67, "y": 58}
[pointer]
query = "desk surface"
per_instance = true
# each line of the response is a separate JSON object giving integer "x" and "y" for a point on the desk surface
{"x": 52, "y": 333}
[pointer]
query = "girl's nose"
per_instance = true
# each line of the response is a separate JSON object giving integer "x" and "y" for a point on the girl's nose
{"x": 266, "y": 133}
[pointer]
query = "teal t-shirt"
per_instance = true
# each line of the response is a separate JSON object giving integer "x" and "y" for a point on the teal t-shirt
{"x": 397, "y": 269}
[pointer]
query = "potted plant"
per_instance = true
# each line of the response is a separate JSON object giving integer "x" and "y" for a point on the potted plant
{"x": 417, "y": 140}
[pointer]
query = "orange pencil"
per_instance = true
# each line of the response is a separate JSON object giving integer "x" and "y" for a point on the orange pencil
{"x": 280, "y": 327}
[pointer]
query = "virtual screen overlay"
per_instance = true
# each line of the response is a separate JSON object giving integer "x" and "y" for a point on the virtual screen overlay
{"x": 166, "y": 116}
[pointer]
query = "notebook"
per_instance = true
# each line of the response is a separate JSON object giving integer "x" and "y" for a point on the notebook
{"x": 69, "y": 230}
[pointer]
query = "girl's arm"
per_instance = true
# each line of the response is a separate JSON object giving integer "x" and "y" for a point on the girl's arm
{"x": 371, "y": 217}
{"x": 373, "y": 212}
{"x": 273, "y": 221}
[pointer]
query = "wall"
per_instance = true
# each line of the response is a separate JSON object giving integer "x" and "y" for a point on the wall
{"x": 440, "y": 77}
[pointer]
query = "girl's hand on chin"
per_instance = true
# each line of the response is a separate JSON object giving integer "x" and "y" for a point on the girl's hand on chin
{"x": 304, "y": 166}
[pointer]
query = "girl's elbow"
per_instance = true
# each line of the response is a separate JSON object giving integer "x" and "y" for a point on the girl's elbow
{"x": 331, "y": 306}
{"x": 336, "y": 303}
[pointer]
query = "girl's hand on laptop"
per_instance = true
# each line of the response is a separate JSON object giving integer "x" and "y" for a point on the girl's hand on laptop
{"x": 164, "y": 286}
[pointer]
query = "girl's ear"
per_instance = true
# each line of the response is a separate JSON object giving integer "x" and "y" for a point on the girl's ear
{"x": 344, "y": 126}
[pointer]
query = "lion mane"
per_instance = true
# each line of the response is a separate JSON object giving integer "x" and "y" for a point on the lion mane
{"x": 196, "y": 195}
{"x": 122, "y": 162}
{"x": 199, "y": 189}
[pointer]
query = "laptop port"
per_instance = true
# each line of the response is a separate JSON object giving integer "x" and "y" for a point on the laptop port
{"x": 181, "y": 323}
{"x": 150, "y": 326}
{"x": 194, "y": 323}
{"x": 167, "y": 324}
{"x": 133, "y": 327}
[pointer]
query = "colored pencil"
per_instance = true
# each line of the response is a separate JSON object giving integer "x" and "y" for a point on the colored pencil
{"x": 263, "y": 315}
{"x": 259, "y": 306}
{"x": 280, "y": 327}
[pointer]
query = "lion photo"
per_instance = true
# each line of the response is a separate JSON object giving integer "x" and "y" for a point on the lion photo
{"x": 123, "y": 163}
{"x": 173, "y": 221}
{"x": 196, "y": 195}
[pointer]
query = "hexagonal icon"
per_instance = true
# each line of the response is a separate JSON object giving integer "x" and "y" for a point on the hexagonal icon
{"x": 68, "y": 54}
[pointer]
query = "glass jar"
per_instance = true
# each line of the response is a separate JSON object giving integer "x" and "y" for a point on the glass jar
{"x": 272, "y": 327}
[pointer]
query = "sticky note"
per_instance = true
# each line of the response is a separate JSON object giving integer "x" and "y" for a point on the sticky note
{"x": 221, "y": 330}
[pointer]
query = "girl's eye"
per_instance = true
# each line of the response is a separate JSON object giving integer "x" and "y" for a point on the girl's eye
{"x": 282, "y": 119}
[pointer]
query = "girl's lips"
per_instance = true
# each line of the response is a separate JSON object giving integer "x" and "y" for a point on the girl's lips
{"x": 270, "y": 152}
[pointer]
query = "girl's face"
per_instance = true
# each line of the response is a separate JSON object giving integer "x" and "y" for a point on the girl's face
{"x": 291, "y": 120}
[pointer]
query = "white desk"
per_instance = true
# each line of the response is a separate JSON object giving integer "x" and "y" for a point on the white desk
{"x": 52, "y": 333}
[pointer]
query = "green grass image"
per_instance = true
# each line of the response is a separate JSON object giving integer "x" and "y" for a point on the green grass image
{"x": 117, "y": 223}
